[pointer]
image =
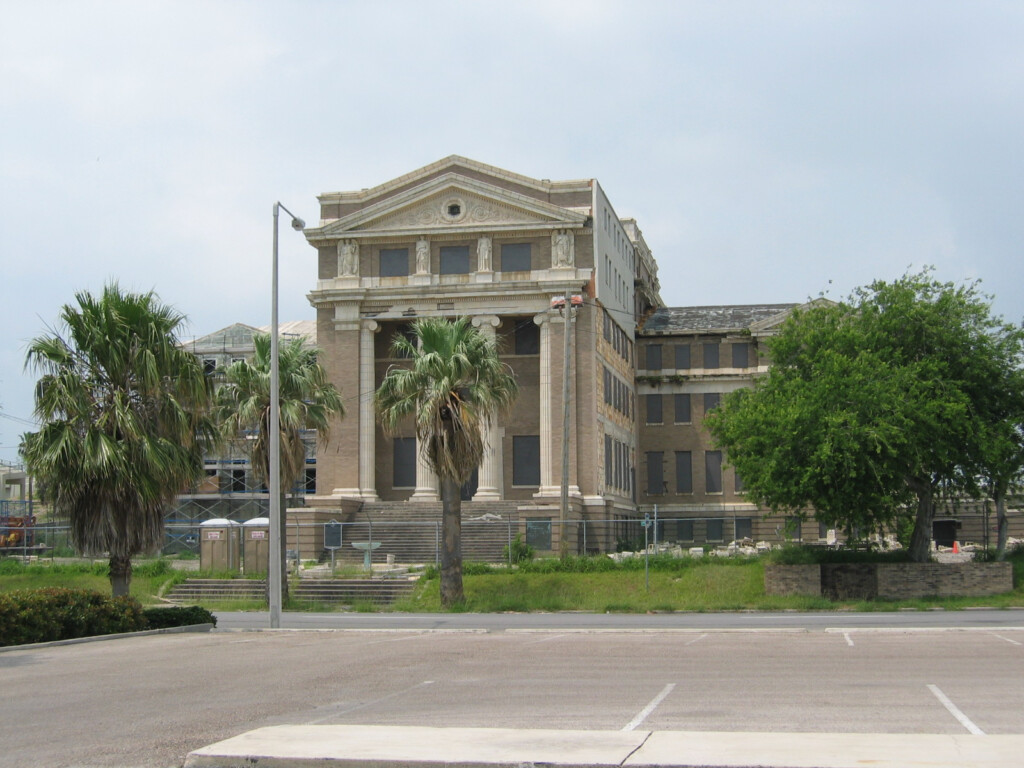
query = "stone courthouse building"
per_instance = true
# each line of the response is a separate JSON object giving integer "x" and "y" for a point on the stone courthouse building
{"x": 462, "y": 239}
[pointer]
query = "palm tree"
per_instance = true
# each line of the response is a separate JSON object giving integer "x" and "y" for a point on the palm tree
{"x": 454, "y": 385}
{"x": 124, "y": 421}
{"x": 307, "y": 401}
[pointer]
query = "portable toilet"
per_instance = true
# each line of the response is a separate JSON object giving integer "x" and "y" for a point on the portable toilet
{"x": 256, "y": 545}
{"x": 219, "y": 545}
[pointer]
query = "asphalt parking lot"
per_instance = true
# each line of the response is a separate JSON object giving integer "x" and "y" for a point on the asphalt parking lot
{"x": 148, "y": 701}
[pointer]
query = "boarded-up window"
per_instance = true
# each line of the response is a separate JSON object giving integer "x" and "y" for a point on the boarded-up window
{"x": 527, "y": 337}
{"x": 682, "y": 407}
{"x": 526, "y": 460}
{"x": 740, "y": 487}
{"x": 713, "y": 471}
{"x": 394, "y": 262}
{"x": 711, "y": 354}
{"x": 653, "y": 409}
{"x": 454, "y": 259}
{"x": 684, "y": 530}
{"x": 711, "y": 401}
{"x": 716, "y": 530}
{"x": 515, "y": 257}
{"x": 744, "y": 528}
{"x": 404, "y": 452}
{"x": 538, "y": 533}
{"x": 682, "y": 356}
{"x": 654, "y": 357}
{"x": 740, "y": 355}
{"x": 655, "y": 473}
{"x": 684, "y": 472}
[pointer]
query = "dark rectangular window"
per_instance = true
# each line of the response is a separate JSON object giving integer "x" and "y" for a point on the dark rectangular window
{"x": 404, "y": 452}
{"x": 608, "y": 460}
{"x": 794, "y": 528}
{"x": 716, "y": 530}
{"x": 711, "y": 354}
{"x": 822, "y": 531}
{"x": 682, "y": 407}
{"x": 654, "y": 357}
{"x": 740, "y": 355}
{"x": 744, "y": 528}
{"x": 655, "y": 474}
{"x": 454, "y": 259}
{"x": 538, "y": 533}
{"x": 684, "y": 530}
{"x": 526, "y": 460}
{"x": 682, "y": 356}
{"x": 527, "y": 337}
{"x": 740, "y": 487}
{"x": 237, "y": 480}
{"x": 309, "y": 480}
{"x": 684, "y": 472}
{"x": 209, "y": 366}
{"x": 515, "y": 257}
{"x": 711, "y": 401}
{"x": 653, "y": 408}
{"x": 713, "y": 471}
{"x": 394, "y": 262}
{"x": 607, "y": 386}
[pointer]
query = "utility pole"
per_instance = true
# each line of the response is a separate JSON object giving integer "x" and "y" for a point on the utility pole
{"x": 563, "y": 507}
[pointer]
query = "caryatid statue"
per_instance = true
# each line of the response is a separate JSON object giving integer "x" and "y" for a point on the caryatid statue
{"x": 348, "y": 258}
{"x": 563, "y": 249}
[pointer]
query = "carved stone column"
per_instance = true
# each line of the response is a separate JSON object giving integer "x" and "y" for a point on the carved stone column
{"x": 489, "y": 483}
{"x": 426, "y": 480}
{"x": 547, "y": 488}
{"x": 367, "y": 414}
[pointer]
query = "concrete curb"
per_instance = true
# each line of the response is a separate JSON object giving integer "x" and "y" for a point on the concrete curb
{"x": 115, "y": 636}
{"x": 376, "y": 746}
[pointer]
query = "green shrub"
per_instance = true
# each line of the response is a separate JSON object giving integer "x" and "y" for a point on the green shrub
{"x": 518, "y": 551}
{"x": 54, "y": 613}
{"x": 473, "y": 568}
{"x": 177, "y": 616}
{"x": 795, "y": 554}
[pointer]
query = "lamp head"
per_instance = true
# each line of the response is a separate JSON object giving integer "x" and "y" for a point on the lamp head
{"x": 298, "y": 224}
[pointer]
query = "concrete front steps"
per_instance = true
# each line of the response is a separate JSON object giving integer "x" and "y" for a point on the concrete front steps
{"x": 328, "y": 591}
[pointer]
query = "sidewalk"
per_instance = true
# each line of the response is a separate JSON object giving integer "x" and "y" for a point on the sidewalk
{"x": 377, "y": 746}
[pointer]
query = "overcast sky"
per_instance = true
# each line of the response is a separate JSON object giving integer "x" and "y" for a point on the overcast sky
{"x": 770, "y": 151}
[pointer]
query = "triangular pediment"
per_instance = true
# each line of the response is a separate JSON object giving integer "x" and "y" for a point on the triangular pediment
{"x": 450, "y": 202}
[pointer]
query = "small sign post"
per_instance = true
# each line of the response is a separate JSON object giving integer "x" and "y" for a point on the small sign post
{"x": 332, "y": 539}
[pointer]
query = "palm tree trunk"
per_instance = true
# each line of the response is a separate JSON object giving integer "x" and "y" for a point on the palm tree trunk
{"x": 921, "y": 539}
{"x": 120, "y": 575}
{"x": 451, "y": 544}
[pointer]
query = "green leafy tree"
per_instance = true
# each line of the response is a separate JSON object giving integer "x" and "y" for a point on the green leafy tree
{"x": 453, "y": 385}
{"x": 889, "y": 399}
{"x": 124, "y": 421}
{"x": 306, "y": 400}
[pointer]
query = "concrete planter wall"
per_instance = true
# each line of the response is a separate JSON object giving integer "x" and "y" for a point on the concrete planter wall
{"x": 890, "y": 581}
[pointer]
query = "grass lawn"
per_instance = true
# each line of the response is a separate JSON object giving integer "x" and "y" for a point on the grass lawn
{"x": 594, "y": 585}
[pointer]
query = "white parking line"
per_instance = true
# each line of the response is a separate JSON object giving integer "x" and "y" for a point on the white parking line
{"x": 849, "y": 640}
{"x": 649, "y": 708}
{"x": 696, "y": 639}
{"x": 964, "y": 721}
{"x": 339, "y": 712}
{"x": 1007, "y": 639}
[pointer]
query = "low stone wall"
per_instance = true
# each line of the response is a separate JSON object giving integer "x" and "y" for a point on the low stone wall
{"x": 890, "y": 581}
{"x": 792, "y": 580}
{"x": 905, "y": 581}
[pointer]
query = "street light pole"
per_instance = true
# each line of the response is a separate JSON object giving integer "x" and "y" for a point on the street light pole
{"x": 274, "y": 576}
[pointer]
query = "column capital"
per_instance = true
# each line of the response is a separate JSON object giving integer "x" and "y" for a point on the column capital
{"x": 479, "y": 321}
{"x": 370, "y": 325}
{"x": 542, "y": 318}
